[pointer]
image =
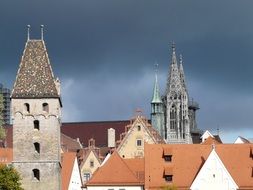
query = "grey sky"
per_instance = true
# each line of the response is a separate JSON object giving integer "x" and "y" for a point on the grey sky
{"x": 104, "y": 53}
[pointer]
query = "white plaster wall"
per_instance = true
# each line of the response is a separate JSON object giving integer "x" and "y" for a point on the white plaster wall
{"x": 75, "y": 180}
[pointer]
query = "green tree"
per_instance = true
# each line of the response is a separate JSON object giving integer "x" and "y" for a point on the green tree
{"x": 169, "y": 187}
{"x": 2, "y": 130}
{"x": 9, "y": 178}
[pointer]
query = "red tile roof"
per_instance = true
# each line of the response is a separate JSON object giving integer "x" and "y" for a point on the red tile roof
{"x": 116, "y": 172}
{"x": 6, "y": 155}
{"x": 187, "y": 160}
{"x": 68, "y": 160}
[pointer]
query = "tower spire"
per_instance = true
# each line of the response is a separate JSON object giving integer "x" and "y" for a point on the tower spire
{"x": 156, "y": 93}
{"x": 42, "y": 31}
{"x": 28, "y": 32}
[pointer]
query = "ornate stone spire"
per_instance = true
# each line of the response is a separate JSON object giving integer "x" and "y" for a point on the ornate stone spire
{"x": 174, "y": 85}
{"x": 181, "y": 71}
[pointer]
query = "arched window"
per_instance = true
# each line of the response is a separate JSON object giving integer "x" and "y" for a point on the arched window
{"x": 36, "y": 124}
{"x": 27, "y": 107}
{"x": 36, "y": 174}
{"x": 139, "y": 127}
{"x": 45, "y": 107}
{"x": 37, "y": 147}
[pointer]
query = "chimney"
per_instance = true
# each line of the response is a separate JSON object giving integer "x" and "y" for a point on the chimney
{"x": 111, "y": 137}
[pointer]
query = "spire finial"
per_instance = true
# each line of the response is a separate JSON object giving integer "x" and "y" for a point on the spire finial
{"x": 42, "y": 31}
{"x": 181, "y": 59}
{"x": 173, "y": 47}
{"x": 28, "y": 32}
{"x": 156, "y": 67}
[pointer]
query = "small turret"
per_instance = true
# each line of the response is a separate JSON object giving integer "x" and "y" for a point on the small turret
{"x": 157, "y": 112}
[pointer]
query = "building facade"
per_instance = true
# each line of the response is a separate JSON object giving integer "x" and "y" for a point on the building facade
{"x": 36, "y": 109}
{"x": 174, "y": 115}
{"x": 6, "y": 97}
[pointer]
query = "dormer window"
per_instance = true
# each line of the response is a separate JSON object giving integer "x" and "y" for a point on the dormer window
{"x": 168, "y": 174}
{"x": 36, "y": 124}
{"x": 168, "y": 178}
{"x": 168, "y": 158}
{"x": 167, "y": 154}
{"x": 45, "y": 107}
{"x": 27, "y": 107}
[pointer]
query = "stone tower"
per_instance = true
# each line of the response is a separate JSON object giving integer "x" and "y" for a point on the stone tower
{"x": 177, "y": 108}
{"x": 157, "y": 110}
{"x": 36, "y": 109}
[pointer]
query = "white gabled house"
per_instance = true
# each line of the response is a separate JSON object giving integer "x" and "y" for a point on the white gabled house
{"x": 213, "y": 175}
{"x": 71, "y": 177}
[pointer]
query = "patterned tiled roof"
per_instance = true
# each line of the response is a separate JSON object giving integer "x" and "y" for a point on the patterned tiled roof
{"x": 35, "y": 77}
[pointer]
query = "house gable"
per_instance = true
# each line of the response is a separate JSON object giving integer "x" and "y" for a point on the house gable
{"x": 75, "y": 180}
{"x": 213, "y": 175}
{"x": 132, "y": 145}
{"x": 89, "y": 165}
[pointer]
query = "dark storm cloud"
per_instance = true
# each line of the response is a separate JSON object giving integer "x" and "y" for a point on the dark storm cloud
{"x": 104, "y": 52}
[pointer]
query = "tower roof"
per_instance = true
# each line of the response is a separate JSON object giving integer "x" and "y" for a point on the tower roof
{"x": 35, "y": 77}
{"x": 156, "y": 93}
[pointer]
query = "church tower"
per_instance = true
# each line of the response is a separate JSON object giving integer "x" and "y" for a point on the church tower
{"x": 36, "y": 114}
{"x": 177, "y": 112}
{"x": 157, "y": 110}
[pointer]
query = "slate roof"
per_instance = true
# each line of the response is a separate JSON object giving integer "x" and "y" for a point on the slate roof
{"x": 35, "y": 78}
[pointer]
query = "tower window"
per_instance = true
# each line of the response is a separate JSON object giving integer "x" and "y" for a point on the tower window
{"x": 45, "y": 107}
{"x": 27, "y": 107}
{"x": 37, "y": 147}
{"x": 36, "y": 124}
{"x": 36, "y": 174}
